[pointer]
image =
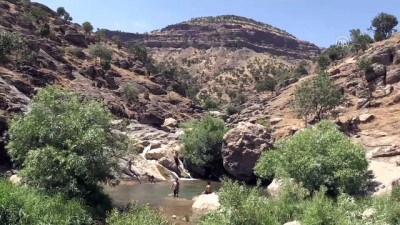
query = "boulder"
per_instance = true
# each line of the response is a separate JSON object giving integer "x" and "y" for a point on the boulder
{"x": 378, "y": 70}
{"x": 275, "y": 120}
{"x": 46, "y": 60}
{"x": 208, "y": 202}
{"x": 155, "y": 89}
{"x": 274, "y": 187}
{"x": 75, "y": 38}
{"x": 170, "y": 122}
{"x": 393, "y": 76}
{"x": 382, "y": 57}
{"x": 151, "y": 118}
{"x": 365, "y": 118}
{"x": 15, "y": 179}
{"x": 368, "y": 214}
{"x": 293, "y": 223}
{"x": 242, "y": 146}
{"x": 66, "y": 70}
{"x": 169, "y": 164}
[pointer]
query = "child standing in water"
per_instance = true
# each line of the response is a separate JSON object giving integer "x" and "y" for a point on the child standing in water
{"x": 175, "y": 187}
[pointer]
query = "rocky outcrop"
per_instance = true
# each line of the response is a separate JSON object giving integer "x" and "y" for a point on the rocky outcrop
{"x": 208, "y": 202}
{"x": 242, "y": 147}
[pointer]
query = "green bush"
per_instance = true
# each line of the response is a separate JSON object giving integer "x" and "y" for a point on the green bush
{"x": 323, "y": 62}
{"x": 316, "y": 157}
{"x": 365, "y": 65}
{"x": 268, "y": 84}
{"x": 63, "y": 144}
{"x": 39, "y": 14}
{"x": 210, "y": 103}
{"x": 10, "y": 42}
{"x": 231, "y": 109}
{"x": 131, "y": 92}
{"x": 26, "y": 206}
{"x": 301, "y": 69}
{"x": 137, "y": 215}
{"x": 44, "y": 30}
{"x": 101, "y": 51}
{"x": 203, "y": 142}
{"x": 359, "y": 41}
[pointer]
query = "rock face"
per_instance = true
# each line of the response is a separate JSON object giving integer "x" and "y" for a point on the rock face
{"x": 227, "y": 31}
{"x": 242, "y": 147}
{"x": 208, "y": 202}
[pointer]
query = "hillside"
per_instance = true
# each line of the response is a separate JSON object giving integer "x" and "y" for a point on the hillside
{"x": 57, "y": 51}
{"x": 226, "y": 54}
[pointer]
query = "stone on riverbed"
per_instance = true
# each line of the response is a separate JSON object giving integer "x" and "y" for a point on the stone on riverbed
{"x": 208, "y": 202}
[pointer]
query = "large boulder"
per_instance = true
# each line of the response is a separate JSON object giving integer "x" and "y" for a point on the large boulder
{"x": 393, "y": 76}
{"x": 75, "y": 38}
{"x": 151, "y": 118}
{"x": 378, "y": 70}
{"x": 242, "y": 147}
{"x": 208, "y": 202}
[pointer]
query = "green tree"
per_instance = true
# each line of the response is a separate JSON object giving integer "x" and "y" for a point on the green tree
{"x": 61, "y": 11}
{"x": 316, "y": 96}
{"x": 10, "y": 42}
{"x": 383, "y": 25}
{"x": 203, "y": 142}
{"x": 323, "y": 62}
{"x": 359, "y": 41}
{"x": 87, "y": 27}
{"x": 63, "y": 144}
{"x": 67, "y": 16}
{"x": 102, "y": 52}
{"x": 316, "y": 157}
{"x": 337, "y": 52}
{"x": 301, "y": 69}
{"x": 131, "y": 92}
{"x": 140, "y": 51}
{"x": 101, "y": 35}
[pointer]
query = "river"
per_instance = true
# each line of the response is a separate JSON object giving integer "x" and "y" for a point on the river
{"x": 160, "y": 195}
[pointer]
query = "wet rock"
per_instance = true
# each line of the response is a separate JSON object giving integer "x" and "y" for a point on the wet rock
{"x": 208, "y": 202}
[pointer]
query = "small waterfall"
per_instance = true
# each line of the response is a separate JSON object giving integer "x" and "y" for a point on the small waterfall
{"x": 145, "y": 150}
{"x": 182, "y": 168}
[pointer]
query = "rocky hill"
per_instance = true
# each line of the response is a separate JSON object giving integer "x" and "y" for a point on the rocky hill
{"x": 52, "y": 50}
{"x": 225, "y": 54}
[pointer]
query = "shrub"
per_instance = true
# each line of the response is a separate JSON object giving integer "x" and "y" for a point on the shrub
{"x": 337, "y": 52}
{"x": 22, "y": 205}
{"x": 63, "y": 144}
{"x": 268, "y": 84}
{"x": 383, "y": 25}
{"x": 44, "y": 30}
{"x": 117, "y": 41}
{"x": 316, "y": 96}
{"x": 203, "y": 142}
{"x": 10, "y": 42}
{"x": 210, "y": 103}
{"x": 323, "y": 62}
{"x": 131, "y": 92}
{"x": 87, "y": 26}
{"x": 301, "y": 69}
{"x": 102, "y": 52}
{"x": 105, "y": 65}
{"x": 365, "y": 65}
{"x": 264, "y": 122}
{"x": 319, "y": 156}
{"x": 39, "y": 14}
{"x": 137, "y": 214}
{"x": 231, "y": 109}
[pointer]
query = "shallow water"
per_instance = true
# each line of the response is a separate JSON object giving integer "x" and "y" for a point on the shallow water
{"x": 160, "y": 195}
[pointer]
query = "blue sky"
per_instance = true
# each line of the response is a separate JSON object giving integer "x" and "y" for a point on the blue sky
{"x": 318, "y": 21}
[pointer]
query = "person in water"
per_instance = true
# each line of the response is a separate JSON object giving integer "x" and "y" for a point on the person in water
{"x": 208, "y": 189}
{"x": 129, "y": 165}
{"x": 175, "y": 187}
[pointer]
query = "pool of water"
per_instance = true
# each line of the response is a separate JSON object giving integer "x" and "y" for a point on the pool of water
{"x": 160, "y": 195}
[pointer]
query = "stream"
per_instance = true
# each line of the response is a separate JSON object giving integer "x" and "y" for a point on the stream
{"x": 160, "y": 195}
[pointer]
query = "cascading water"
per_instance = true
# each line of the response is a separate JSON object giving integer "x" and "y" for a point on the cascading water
{"x": 145, "y": 150}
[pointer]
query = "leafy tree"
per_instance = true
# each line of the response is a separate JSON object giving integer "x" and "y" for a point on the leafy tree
{"x": 317, "y": 95}
{"x": 203, "y": 142}
{"x": 9, "y": 42}
{"x": 268, "y": 84}
{"x": 316, "y": 157}
{"x": 140, "y": 51}
{"x": 323, "y": 62}
{"x": 102, "y": 52}
{"x": 359, "y": 41}
{"x": 61, "y": 11}
{"x": 63, "y": 144}
{"x": 383, "y": 25}
{"x": 87, "y": 27}
{"x": 101, "y": 35}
